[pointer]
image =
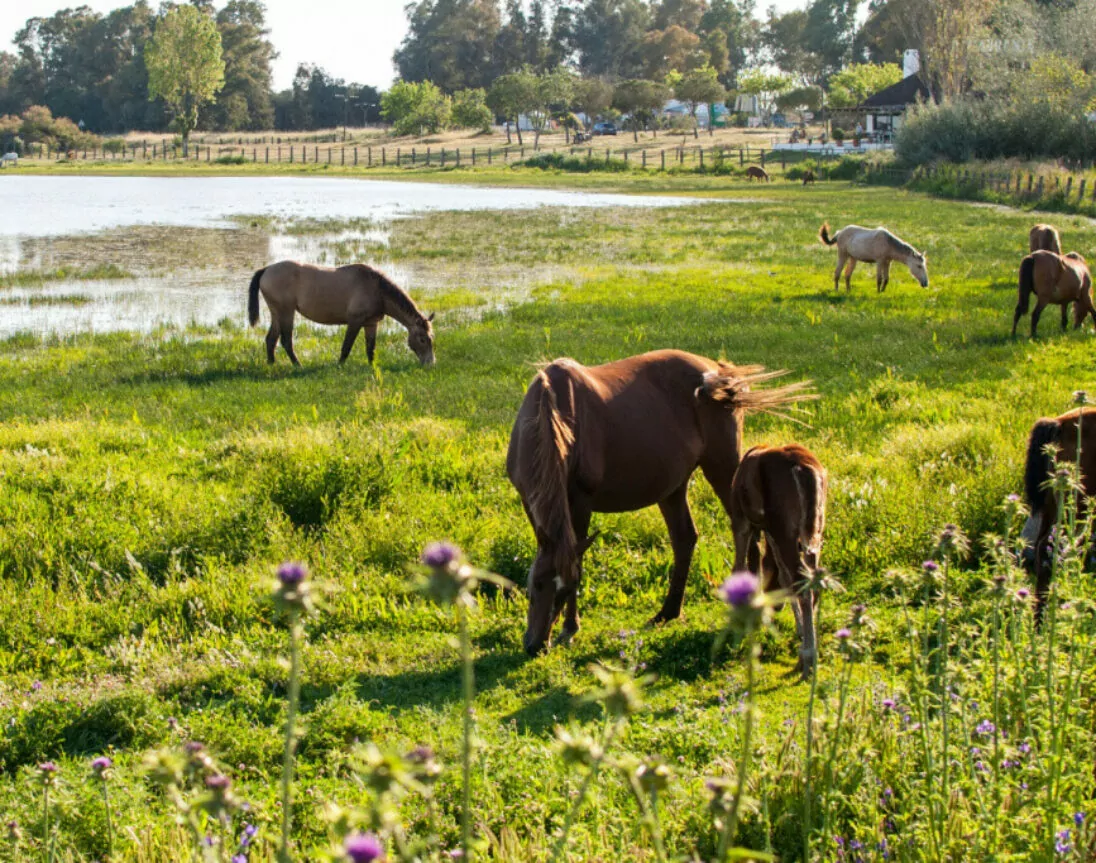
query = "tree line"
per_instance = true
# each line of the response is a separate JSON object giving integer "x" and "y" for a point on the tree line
{"x": 92, "y": 69}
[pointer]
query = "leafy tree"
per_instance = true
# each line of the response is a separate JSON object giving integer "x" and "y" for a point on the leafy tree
{"x": 672, "y": 48}
{"x": 608, "y": 35}
{"x": 555, "y": 91}
{"x": 641, "y": 99}
{"x": 853, "y": 84}
{"x": 185, "y": 65}
{"x": 245, "y": 101}
{"x": 592, "y": 97}
{"x": 831, "y": 33}
{"x": 947, "y": 34}
{"x": 416, "y": 108}
{"x": 765, "y": 86}
{"x": 470, "y": 109}
{"x": 509, "y": 48}
{"x": 785, "y": 39}
{"x": 699, "y": 87}
{"x": 511, "y": 96}
{"x": 450, "y": 42}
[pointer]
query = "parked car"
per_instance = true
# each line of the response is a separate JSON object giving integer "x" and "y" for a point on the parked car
{"x": 780, "y": 121}
{"x": 605, "y": 129}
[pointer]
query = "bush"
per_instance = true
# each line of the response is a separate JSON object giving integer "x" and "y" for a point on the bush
{"x": 575, "y": 164}
{"x": 470, "y": 110}
{"x": 838, "y": 134}
{"x": 114, "y": 145}
{"x": 232, "y": 160}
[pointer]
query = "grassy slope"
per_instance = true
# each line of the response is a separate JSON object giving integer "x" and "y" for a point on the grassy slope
{"x": 150, "y": 484}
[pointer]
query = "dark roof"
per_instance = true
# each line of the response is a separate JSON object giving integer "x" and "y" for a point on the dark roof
{"x": 905, "y": 92}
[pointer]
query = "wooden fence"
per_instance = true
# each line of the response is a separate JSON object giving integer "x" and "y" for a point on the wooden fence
{"x": 1014, "y": 185}
{"x": 364, "y": 156}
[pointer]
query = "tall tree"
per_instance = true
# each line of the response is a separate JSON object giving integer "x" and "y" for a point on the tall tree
{"x": 641, "y": 100}
{"x": 736, "y": 22}
{"x": 674, "y": 48}
{"x": 592, "y": 97}
{"x": 450, "y": 42}
{"x": 946, "y": 33}
{"x": 561, "y": 39}
{"x": 700, "y": 87}
{"x": 831, "y": 33}
{"x": 185, "y": 65}
{"x": 245, "y": 101}
{"x": 509, "y": 48}
{"x": 512, "y": 95}
{"x": 609, "y": 37}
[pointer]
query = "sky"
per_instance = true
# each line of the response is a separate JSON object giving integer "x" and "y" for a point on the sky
{"x": 350, "y": 39}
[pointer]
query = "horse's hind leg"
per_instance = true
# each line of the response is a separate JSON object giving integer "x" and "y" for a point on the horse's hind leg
{"x": 580, "y": 520}
{"x": 679, "y": 521}
{"x": 286, "y": 324}
{"x": 785, "y": 549}
{"x": 1035, "y": 316}
{"x": 849, "y": 267}
{"x": 837, "y": 272}
{"x": 272, "y": 338}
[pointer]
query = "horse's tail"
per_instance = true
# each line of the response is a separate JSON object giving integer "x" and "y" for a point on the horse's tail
{"x": 253, "y": 297}
{"x": 811, "y": 483}
{"x": 732, "y": 387}
{"x": 1039, "y": 464}
{"x": 824, "y": 234}
{"x": 1027, "y": 284}
{"x": 547, "y": 501}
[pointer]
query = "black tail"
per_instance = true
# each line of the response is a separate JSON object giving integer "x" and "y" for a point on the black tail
{"x": 253, "y": 298}
{"x": 824, "y": 234}
{"x": 1027, "y": 284}
{"x": 1039, "y": 464}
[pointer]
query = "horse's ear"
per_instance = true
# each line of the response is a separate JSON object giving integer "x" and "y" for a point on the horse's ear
{"x": 431, "y": 316}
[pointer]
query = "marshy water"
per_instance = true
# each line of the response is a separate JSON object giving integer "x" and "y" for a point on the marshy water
{"x": 135, "y": 253}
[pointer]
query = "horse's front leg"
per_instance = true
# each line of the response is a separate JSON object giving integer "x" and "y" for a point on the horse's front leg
{"x": 352, "y": 330}
{"x": 371, "y": 339}
{"x": 580, "y": 520}
{"x": 1065, "y": 316}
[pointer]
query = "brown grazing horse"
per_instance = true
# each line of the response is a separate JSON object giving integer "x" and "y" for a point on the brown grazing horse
{"x": 779, "y": 493}
{"x": 872, "y": 246}
{"x": 757, "y": 173}
{"x": 808, "y": 176}
{"x": 1062, "y": 433}
{"x": 355, "y": 295}
{"x": 617, "y": 438}
{"x": 1054, "y": 279}
{"x": 1044, "y": 237}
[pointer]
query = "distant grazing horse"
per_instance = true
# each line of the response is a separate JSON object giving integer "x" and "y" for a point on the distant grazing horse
{"x": 1054, "y": 279}
{"x": 355, "y": 295}
{"x": 1061, "y": 432}
{"x": 873, "y": 246}
{"x": 808, "y": 176}
{"x": 621, "y": 437}
{"x": 757, "y": 173}
{"x": 1044, "y": 237}
{"x": 779, "y": 493}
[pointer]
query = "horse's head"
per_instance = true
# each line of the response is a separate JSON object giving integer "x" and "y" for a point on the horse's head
{"x": 553, "y": 580}
{"x": 420, "y": 338}
{"x": 918, "y": 269}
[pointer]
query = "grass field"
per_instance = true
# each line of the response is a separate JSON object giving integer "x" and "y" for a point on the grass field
{"x": 151, "y": 484}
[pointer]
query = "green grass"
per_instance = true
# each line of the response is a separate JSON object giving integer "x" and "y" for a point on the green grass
{"x": 150, "y": 484}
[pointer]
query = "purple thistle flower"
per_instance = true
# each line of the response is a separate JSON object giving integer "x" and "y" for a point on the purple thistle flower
{"x": 36, "y": 685}
{"x": 985, "y": 727}
{"x": 440, "y": 554}
{"x": 1023, "y": 593}
{"x": 291, "y": 574}
{"x": 218, "y": 782}
{"x": 888, "y": 703}
{"x": 1062, "y": 845}
{"x": 930, "y": 567}
{"x": 239, "y": 858}
{"x": 1024, "y": 747}
{"x": 843, "y": 633}
{"x": 1013, "y": 498}
{"x": 980, "y": 766}
{"x": 47, "y": 767}
{"x": 193, "y": 747}
{"x": 739, "y": 589}
{"x": 101, "y": 764}
{"x": 363, "y": 848}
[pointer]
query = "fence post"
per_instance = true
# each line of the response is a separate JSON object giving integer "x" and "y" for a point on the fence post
{"x": 1030, "y": 180}
{"x": 458, "y": 157}
{"x": 1039, "y": 188}
{"x": 663, "y": 153}
{"x": 741, "y": 157}
{"x": 369, "y": 157}
{"x": 700, "y": 151}
{"x": 1069, "y": 186}
{"x": 625, "y": 156}
{"x": 473, "y": 157}
{"x": 355, "y": 155}
{"x": 316, "y": 154}
{"x": 399, "y": 157}
{"x": 644, "y": 159}
{"x": 606, "y": 155}
{"x": 1081, "y": 190}
{"x": 342, "y": 156}
{"x": 762, "y": 158}
{"x": 384, "y": 157}
{"x": 443, "y": 157}
{"x": 490, "y": 155}
{"x": 589, "y": 154}
{"x": 523, "y": 152}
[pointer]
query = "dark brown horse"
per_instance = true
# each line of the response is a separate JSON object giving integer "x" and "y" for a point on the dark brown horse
{"x": 1055, "y": 280}
{"x": 1044, "y": 237}
{"x": 621, "y": 437}
{"x": 1062, "y": 433}
{"x": 355, "y": 295}
{"x": 779, "y": 493}
{"x": 808, "y": 176}
{"x": 755, "y": 172}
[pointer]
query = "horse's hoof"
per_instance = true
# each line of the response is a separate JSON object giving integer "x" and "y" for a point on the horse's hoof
{"x": 565, "y": 637}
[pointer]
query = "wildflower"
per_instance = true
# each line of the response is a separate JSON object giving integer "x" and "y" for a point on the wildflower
{"x": 363, "y": 848}
{"x": 980, "y": 766}
{"x": 843, "y": 633}
{"x": 985, "y": 727}
{"x": 292, "y": 593}
{"x": 1024, "y": 747}
{"x": 952, "y": 542}
{"x": 37, "y": 685}
{"x": 440, "y": 555}
{"x": 47, "y": 772}
{"x": 14, "y": 833}
{"x": 1061, "y": 845}
{"x": 292, "y": 574}
{"x": 1023, "y": 594}
{"x": 930, "y": 567}
{"x": 250, "y": 831}
{"x": 739, "y": 590}
{"x": 888, "y": 704}
{"x": 1080, "y": 398}
{"x": 219, "y": 800}
{"x": 620, "y": 692}
{"x": 101, "y": 767}
{"x": 1013, "y": 498}
{"x": 1079, "y": 818}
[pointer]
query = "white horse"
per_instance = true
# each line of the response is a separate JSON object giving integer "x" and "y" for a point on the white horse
{"x": 13, "y": 158}
{"x": 873, "y": 246}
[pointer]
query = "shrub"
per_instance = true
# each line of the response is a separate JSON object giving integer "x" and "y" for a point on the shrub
{"x": 233, "y": 159}
{"x": 470, "y": 109}
{"x": 575, "y": 164}
{"x": 114, "y": 145}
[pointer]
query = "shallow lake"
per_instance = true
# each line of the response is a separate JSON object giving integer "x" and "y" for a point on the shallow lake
{"x": 182, "y": 241}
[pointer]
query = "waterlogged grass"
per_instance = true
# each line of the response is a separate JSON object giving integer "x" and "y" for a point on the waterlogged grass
{"x": 149, "y": 486}
{"x": 33, "y": 278}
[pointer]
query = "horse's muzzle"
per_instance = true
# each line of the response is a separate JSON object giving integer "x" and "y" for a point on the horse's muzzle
{"x": 428, "y": 362}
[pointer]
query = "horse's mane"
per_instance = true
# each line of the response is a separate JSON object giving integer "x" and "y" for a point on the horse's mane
{"x": 394, "y": 292}
{"x": 900, "y": 245}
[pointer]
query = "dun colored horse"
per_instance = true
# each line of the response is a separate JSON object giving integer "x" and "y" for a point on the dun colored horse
{"x": 779, "y": 493}
{"x": 1054, "y": 279}
{"x": 873, "y": 246}
{"x": 617, "y": 438}
{"x": 1062, "y": 433}
{"x": 355, "y": 295}
{"x": 755, "y": 172}
{"x": 1044, "y": 237}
